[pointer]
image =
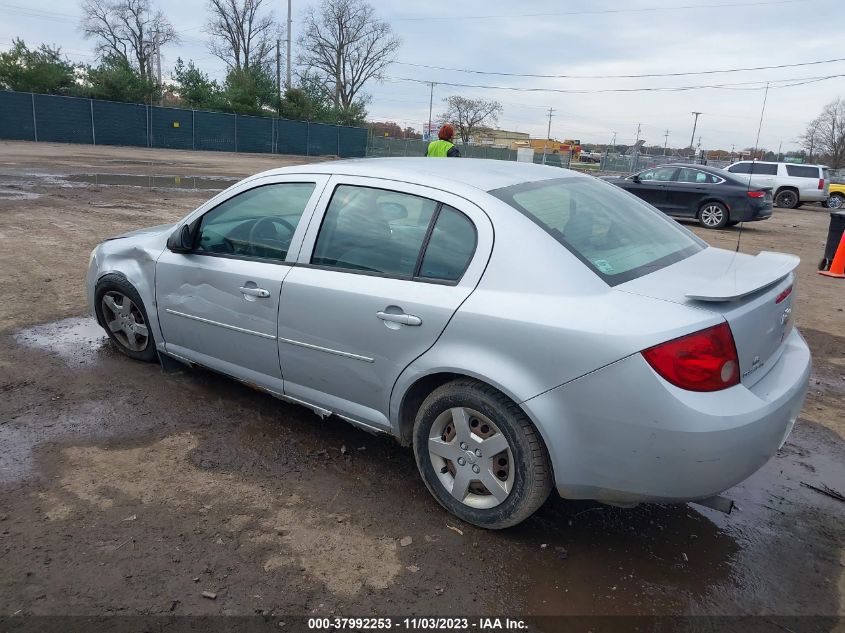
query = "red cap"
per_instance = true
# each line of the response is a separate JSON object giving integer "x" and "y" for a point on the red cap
{"x": 446, "y": 133}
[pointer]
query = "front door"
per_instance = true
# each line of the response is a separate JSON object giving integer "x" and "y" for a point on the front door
{"x": 690, "y": 186}
{"x": 377, "y": 281}
{"x": 218, "y": 305}
{"x": 652, "y": 185}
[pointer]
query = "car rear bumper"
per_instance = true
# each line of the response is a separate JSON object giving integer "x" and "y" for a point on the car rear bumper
{"x": 624, "y": 435}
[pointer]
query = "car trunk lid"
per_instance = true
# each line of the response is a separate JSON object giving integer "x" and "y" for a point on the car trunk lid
{"x": 752, "y": 293}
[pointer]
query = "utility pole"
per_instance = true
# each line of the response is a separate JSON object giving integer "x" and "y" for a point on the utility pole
{"x": 158, "y": 70}
{"x": 780, "y": 145}
{"x": 733, "y": 146}
{"x": 613, "y": 142}
{"x": 698, "y": 149}
{"x": 290, "y": 35}
{"x": 694, "y": 125}
{"x": 548, "y": 134}
{"x": 430, "y": 104}
{"x": 279, "y": 75}
{"x": 665, "y": 141}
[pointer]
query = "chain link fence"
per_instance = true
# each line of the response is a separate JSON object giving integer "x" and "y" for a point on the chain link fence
{"x": 35, "y": 117}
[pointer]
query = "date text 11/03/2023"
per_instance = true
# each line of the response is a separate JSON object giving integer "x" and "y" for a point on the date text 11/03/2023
{"x": 418, "y": 624}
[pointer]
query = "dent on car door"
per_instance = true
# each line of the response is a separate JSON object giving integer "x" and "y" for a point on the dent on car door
{"x": 380, "y": 274}
{"x": 218, "y": 304}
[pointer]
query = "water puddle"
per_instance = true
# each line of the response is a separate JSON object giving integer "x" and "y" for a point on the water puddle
{"x": 162, "y": 182}
{"x": 77, "y": 341}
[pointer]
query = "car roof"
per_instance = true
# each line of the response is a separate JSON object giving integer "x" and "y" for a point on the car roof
{"x": 782, "y": 162}
{"x": 483, "y": 174}
{"x": 706, "y": 168}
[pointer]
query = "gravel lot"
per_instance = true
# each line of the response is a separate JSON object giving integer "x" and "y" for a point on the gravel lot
{"x": 124, "y": 490}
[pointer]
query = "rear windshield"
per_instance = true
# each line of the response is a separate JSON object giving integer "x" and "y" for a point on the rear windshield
{"x": 616, "y": 234}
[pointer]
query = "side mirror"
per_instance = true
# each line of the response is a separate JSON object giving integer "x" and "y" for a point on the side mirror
{"x": 182, "y": 240}
{"x": 635, "y": 178}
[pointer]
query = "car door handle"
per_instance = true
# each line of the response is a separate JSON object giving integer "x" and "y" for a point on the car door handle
{"x": 404, "y": 319}
{"x": 255, "y": 292}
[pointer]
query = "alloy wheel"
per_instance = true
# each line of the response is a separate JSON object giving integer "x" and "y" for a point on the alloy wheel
{"x": 125, "y": 321}
{"x": 712, "y": 215}
{"x": 834, "y": 202}
{"x": 471, "y": 457}
{"x": 787, "y": 199}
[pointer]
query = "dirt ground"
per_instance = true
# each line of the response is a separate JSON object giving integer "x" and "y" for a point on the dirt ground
{"x": 124, "y": 490}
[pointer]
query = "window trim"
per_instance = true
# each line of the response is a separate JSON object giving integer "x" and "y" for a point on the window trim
{"x": 414, "y": 276}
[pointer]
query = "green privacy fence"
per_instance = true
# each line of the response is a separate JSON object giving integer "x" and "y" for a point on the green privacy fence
{"x": 34, "y": 117}
{"x": 384, "y": 146}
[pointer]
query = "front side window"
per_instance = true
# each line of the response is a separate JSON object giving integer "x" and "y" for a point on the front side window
{"x": 257, "y": 223}
{"x": 373, "y": 230}
{"x": 740, "y": 168}
{"x": 618, "y": 236}
{"x": 662, "y": 174}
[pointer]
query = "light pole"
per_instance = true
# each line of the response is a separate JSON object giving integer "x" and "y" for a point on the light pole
{"x": 290, "y": 22}
{"x": 548, "y": 134}
{"x": 430, "y": 104}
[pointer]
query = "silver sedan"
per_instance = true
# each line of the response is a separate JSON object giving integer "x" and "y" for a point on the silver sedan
{"x": 522, "y": 327}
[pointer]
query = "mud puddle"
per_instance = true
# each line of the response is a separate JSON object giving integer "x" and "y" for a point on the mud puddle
{"x": 151, "y": 181}
{"x": 77, "y": 341}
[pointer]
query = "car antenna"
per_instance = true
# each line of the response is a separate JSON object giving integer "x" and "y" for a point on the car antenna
{"x": 753, "y": 159}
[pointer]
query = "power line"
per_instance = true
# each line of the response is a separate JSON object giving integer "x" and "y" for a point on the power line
{"x": 732, "y": 5}
{"x": 678, "y": 74}
{"x": 741, "y": 85}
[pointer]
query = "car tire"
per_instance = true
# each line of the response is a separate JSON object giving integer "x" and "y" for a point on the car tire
{"x": 786, "y": 199}
{"x": 497, "y": 490}
{"x": 713, "y": 215}
{"x": 835, "y": 201}
{"x": 127, "y": 325}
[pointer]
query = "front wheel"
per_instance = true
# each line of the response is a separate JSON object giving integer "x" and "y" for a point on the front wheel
{"x": 835, "y": 201}
{"x": 480, "y": 456}
{"x": 713, "y": 215}
{"x": 121, "y": 313}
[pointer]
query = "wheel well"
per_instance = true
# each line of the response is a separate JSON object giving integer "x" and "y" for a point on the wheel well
{"x": 788, "y": 187}
{"x": 414, "y": 398}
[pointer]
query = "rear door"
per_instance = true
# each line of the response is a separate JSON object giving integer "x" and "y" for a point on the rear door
{"x": 684, "y": 194}
{"x": 218, "y": 305}
{"x": 383, "y": 268}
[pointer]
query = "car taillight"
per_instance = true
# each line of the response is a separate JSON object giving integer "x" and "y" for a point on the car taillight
{"x": 783, "y": 295}
{"x": 821, "y": 184}
{"x": 756, "y": 194}
{"x": 701, "y": 361}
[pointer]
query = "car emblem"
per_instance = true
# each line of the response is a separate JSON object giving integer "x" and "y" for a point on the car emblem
{"x": 785, "y": 316}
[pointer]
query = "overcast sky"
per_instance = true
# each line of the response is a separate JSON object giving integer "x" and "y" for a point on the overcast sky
{"x": 600, "y": 37}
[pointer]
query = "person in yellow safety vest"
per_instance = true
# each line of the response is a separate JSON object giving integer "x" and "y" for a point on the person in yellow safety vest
{"x": 443, "y": 146}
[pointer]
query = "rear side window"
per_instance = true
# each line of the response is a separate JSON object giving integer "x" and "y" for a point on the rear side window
{"x": 802, "y": 171}
{"x": 740, "y": 168}
{"x": 614, "y": 233}
{"x": 687, "y": 174}
{"x": 373, "y": 230}
{"x": 764, "y": 169}
{"x": 450, "y": 247}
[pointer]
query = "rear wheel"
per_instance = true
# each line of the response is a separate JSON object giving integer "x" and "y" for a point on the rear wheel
{"x": 122, "y": 314}
{"x": 713, "y": 215}
{"x": 786, "y": 199}
{"x": 480, "y": 456}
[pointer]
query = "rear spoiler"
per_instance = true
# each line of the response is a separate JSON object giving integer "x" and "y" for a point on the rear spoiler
{"x": 746, "y": 278}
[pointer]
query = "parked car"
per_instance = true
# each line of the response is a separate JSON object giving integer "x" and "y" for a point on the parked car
{"x": 711, "y": 196}
{"x": 792, "y": 184}
{"x": 836, "y": 196}
{"x": 521, "y": 326}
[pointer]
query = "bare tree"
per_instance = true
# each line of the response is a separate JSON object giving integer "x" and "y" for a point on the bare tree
{"x": 470, "y": 115}
{"x": 242, "y": 33}
{"x": 347, "y": 46}
{"x": 810, "y": 138}
{"x": 827, "y": 131}
{"x": 128, "y": 29}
